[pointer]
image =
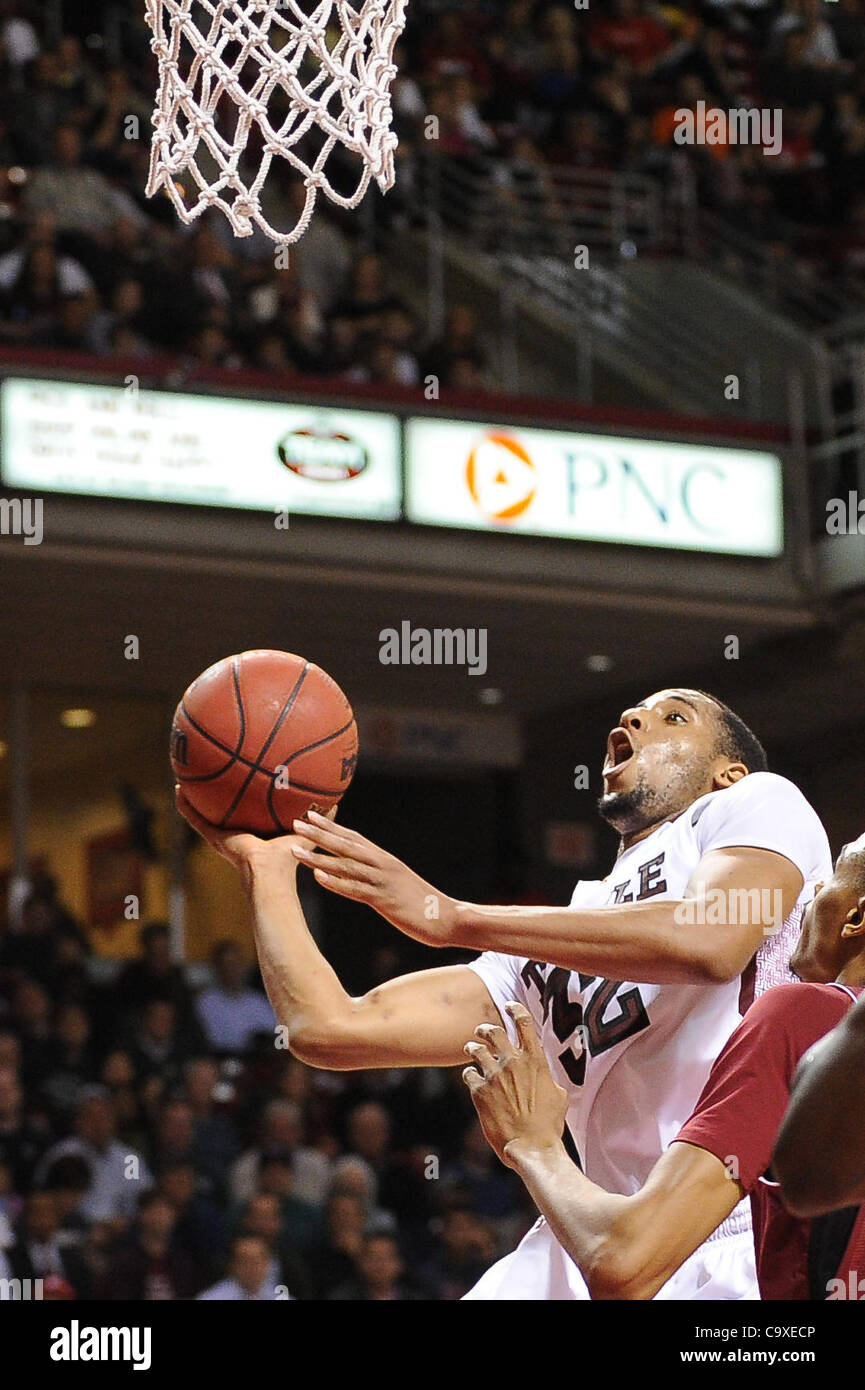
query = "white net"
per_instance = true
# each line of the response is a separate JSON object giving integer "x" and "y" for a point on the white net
{"x": 244, "y": 82}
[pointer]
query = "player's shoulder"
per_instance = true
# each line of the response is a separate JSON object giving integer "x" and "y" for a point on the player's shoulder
{"x": 792, "y": 1005}
{"x": 757, "y": 788}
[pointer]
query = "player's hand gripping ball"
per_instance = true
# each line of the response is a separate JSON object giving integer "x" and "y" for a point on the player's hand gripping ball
{"x": 261, "y": 738}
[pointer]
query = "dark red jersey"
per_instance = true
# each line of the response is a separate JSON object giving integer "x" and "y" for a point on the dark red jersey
{"x": 737, "y": 1118}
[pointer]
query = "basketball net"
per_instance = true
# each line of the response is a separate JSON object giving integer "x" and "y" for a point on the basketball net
{"x": 333, "y": 67}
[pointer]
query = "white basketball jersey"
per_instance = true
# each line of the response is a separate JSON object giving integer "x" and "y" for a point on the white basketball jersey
{"x": 649, "y": 1048}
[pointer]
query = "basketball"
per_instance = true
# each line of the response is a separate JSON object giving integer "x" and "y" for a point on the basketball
{"x": 261, "y": 738}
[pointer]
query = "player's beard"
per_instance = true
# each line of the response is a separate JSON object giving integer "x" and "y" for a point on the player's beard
{"x": 644, "y": 805}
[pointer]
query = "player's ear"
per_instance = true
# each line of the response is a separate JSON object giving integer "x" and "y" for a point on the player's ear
{"x": 854, "y": 922}
{"x": 730, "y": 773}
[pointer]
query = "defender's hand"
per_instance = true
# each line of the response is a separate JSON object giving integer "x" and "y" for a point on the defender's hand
{"x": 352, "y": 866}
{"x": 519, "y": 1104}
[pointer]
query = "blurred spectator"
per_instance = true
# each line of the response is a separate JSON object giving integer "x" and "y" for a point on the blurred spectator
{"x": 174, "y": 1134}
{"x": 117, "y": 1075}
{"x": 80, "y": 198}
{"x": 17, "y": 35}
{"x": 332, "y": 1258}
{"x": 10, "y": 1209}
{"x": 280, "y": 1131}
{"x": 230, "y": 1012}
{"x": 200, "y": 1228}
{"x": 122, "y": 321}
{"x": 116, "y": 1175}
{"x": 31, "y": 1016}
{"x": 67, "y": 1178}
{"x": 27, "y": 285}
{"x": 40, "y": 1250}
{"x": 467, "y": 1250}
{"x": 147, "y": 1266}
{"x": 460, "y": 340}
{"x": 635, "y": 38}
{"x": 21, "y": 1142}
{"x": 368, "y": 299}
{"x": 263, "y": 1216}
{"x": 214, "y": 1133}
{"x": 248, "y": 1276}
{"x": 301, "y": 1222}
{"x": 74, "y": 1060}
{"x": 157, "y": 1045}
{"x": 154, "y": 975}
{"x": 820, "y": 48}
{"x": 30, "y": 951}
{"x": 380, "y": 1275}
{"x": 479, "y": 1179}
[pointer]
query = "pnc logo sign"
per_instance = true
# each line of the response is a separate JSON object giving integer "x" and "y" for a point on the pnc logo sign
{"x": 501, "y": 477}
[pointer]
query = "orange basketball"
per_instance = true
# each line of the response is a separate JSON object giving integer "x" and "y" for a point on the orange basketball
{"x": 260, "y": 739}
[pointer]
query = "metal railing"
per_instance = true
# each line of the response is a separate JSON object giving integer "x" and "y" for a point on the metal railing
{"x": 526, "y": 228}
{"x": 500, "y": 205}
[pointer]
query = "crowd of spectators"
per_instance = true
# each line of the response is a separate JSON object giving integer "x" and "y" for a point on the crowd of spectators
{"x": 524, "y": 92}
{"x": 158, "y": 1141}
{"x": 88, "y": 264}
{"x": 540, "y": 92}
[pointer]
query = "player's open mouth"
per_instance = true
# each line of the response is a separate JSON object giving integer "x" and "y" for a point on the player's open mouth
{"x": 620, "y": 751}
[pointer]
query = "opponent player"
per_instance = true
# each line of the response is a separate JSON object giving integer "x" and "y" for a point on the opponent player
{"x": 696, "y": 829}
{"x": 819, "y": 1157}
{"x": 628, "y": 1246}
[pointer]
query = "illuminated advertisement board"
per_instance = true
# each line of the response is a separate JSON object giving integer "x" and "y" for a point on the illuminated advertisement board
{"x": 594, "y": 487}
{"x": 158, "y": 446}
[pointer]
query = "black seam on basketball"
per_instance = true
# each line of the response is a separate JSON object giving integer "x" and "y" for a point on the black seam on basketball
{"x": 281, "y": 717}
{"x": 302, "y": 786}
{"x": 320, "y": 742}
{"x": 235, "y": 676}
{"x": 234, "y": 754}
{"x": 206, "y": 776}
{"x": 316, "y": 791}
{"x": 270, "y": 806}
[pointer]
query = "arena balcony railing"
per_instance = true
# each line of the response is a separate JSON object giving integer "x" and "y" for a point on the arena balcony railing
{"x": 519, "y": 228}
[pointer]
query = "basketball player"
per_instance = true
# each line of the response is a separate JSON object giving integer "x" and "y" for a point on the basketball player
{"x": 701, "y": 822}
{"x": 819, "y": 1157}
{"x": 627, "y": 1247}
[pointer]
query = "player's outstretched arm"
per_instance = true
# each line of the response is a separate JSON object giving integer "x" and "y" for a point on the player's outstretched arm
{"x": 661, "y": 941}
{"x": 625, "y": 1247}
{"x": 421, "y": 1019}
{"x": 819, "y": 1157}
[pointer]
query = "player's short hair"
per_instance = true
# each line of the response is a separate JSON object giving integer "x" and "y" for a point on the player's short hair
{"x": 852, "y": 856}
{"x": 735, "y": 739}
